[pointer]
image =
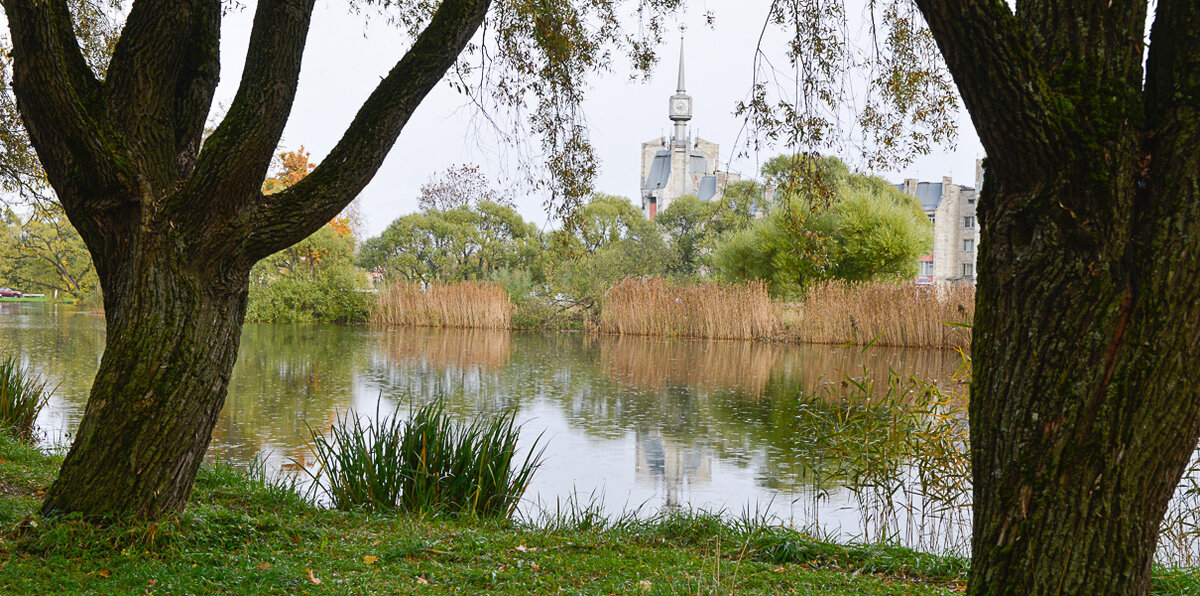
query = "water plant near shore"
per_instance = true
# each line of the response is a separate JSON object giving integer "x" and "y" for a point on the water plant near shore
{"x": 468, "y": 304}
{"x": 22, "y": 396}
{"x": 426, "y": 464}
{"x": 654, "y": 306}
{"x": 888, "y": 314}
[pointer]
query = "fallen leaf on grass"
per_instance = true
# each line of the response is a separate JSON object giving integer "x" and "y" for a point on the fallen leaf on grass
{"x": 534, "y": 566}
{"x": 264, "y": 565}
{"x": 370, "y": 559}
{"x": 312, "y": 578}
{"x": 421, "y": 580}
{"x": 645, "y": 585}
{"x": 104, "y": 573}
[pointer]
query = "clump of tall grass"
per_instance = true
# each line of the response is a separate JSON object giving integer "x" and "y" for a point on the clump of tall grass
{"x": 888, "y": 314}
{"x": 654, "y": 306}
{"x": 427, "y": 464}
{"x": 22, "y": 396}
{"x": 472, "y": 304}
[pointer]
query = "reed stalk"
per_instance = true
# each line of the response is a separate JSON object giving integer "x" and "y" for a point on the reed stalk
{"x": 885, "y": 314}
{"x": 654, "y": 306}
{"x": 464, "y": 304}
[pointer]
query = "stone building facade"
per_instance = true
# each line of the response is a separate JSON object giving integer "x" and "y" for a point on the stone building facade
{"x": 951, "y": 209}
{"x": 680, "y": 165}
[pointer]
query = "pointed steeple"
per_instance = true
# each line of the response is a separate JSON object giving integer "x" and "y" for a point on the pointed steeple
{"x": 680, "y": 88}
{"x": 681, "y": 103}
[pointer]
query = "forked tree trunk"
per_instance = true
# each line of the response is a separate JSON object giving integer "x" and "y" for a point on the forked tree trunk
{"x": 173, "y": 227}
{"x": 172, "y": 343}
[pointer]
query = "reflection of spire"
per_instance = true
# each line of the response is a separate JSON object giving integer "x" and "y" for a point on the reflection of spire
{"x": 680, "y": 89}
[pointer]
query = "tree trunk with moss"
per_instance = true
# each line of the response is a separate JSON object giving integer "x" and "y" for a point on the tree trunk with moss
{"x": 1084, "y": 404}
{"x": 174, "y": 229}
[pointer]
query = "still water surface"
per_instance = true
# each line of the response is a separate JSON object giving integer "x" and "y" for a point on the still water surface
{"x": 645, "y": 423}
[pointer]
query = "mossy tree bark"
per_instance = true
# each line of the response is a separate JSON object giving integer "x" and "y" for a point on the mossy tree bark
{"x": 1084, "y": 405}
{"x": 174, "y": 229}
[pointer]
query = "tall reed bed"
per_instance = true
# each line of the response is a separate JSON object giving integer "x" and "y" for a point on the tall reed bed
{"x": 891, "y": 315}
{"x": 468, "y": 304}
{"x": 22, "y": 396}
{"x": 654, "y": 306}
{"x": 427, "y": 464}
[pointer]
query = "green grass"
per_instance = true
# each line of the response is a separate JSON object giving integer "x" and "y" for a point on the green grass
{"x": 244, "y": 534}
{"x": 22, "y": 395}
{"x": 427, "y": 464}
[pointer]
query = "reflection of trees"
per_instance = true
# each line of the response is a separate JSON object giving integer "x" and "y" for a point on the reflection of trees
{"x": 653, "y": 363}
{"x": 288, "y": 377}
{"x": 735, "y": 402}
{"x": 63, "y": 345}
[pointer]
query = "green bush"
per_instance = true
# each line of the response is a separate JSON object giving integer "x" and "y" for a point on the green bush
{"x": 22, "y": 396}
{"x": 427, "y": 464}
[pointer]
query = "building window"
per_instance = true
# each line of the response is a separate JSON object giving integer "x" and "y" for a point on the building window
{"x": 968, "y": 245}
{"x": 932, "y": 218}
{"x": 969, "y": 222}
{"x": 968, "y": 269}
{"x": 926, "y": 268}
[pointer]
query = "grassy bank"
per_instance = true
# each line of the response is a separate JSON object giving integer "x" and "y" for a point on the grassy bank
{"x": 242, "y": 536}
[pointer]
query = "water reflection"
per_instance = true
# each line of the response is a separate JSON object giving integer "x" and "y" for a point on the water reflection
{"x": 659, "y": 422}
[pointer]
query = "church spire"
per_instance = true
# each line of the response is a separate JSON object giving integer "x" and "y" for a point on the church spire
{"x": 680, "y": 88}
{"x": 681, "y": 102}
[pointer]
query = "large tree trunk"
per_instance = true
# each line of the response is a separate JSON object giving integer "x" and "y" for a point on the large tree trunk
{"x": 173, "y": 332}
{"x": 174, "y": 228}
{"x": 1085, "y": 404}
{"x": 1083, "y": 411}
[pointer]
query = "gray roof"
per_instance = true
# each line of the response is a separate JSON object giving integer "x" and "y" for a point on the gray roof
{"x": 930, "y": 195}
{"x": 699, "y": 164}
{"x": 660, "y": 171}
{"x": 708, "y": 188}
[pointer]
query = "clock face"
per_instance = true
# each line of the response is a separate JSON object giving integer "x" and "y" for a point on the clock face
{"x": 679, "y": 105}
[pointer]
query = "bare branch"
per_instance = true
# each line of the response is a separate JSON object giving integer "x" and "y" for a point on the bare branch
{"x": 282, "y": 219}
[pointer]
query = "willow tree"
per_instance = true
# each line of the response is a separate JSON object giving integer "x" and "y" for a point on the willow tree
{"x": 175, "y": 225}
{"x": 1085, "y": 404}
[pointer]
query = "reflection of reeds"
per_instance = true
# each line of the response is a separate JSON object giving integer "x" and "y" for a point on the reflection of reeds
{"x": 898, "y": 315}
{"x": 656, "y": 307}
{"x": 488, "y": 349}
{"x": 461, "y": 304}
{"x": 642, "y": 363}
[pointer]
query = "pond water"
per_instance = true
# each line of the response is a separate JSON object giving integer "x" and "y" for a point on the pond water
{"x": 629, "y": 423}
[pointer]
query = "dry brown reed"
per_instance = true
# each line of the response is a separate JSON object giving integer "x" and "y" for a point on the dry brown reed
{"x": 897, "y": 315}
{"x": 466, "y": 304}
{"x": 653, "y": 306}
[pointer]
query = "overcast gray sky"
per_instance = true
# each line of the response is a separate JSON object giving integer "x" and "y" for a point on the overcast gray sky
{"x": 346, "y": 58}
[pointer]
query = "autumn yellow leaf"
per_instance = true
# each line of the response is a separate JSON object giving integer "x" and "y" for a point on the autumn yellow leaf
{"x": 312, "y": 578}
{"x": 421, "y": 580}
{"x": 264, "y": 565}
{"x": 103, "y": 573}
{"x": 370, "y": 559}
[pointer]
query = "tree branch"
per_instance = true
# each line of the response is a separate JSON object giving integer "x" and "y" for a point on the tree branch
{"x": 236, "y": 157}
{"x": 1002, "y": 86}
{"x": 284, "y": 218}
{"x": 60, "y": 104}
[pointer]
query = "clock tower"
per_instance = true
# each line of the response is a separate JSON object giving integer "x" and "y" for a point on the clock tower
{"x": 681, "y": 103}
